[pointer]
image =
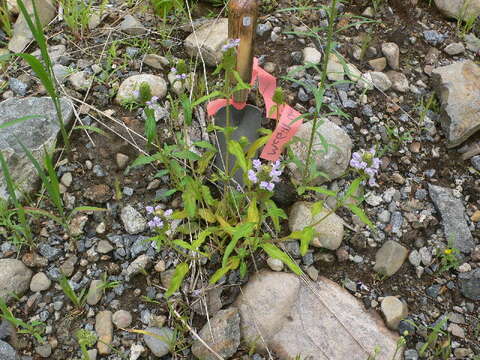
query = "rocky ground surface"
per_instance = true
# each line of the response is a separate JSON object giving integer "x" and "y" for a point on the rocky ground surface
{"x": 414, "y": 95}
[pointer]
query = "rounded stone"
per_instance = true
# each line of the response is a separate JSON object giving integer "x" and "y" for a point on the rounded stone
{"x": 275, "y": 264}
{"x": 394, "y": 311}
{"x": 14, "y": 278}
{"x": 40, "y": 282}
{"x": 311, "y": 55}
{"x": 160, "y": 341}
{"x": 122, "y": 319}
{"x": 129, "y": 88}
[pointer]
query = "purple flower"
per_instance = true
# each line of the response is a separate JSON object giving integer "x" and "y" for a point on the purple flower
{"x": 376, "y": 162}
{"x": 257, "y": 164}
{"x": 173, "y": 70}
{"x": 233, "y": 43}
{"x": 370, "y": 172}
{"x": 158, "y": 207}
{"x": 372, "y": 181}
{"x": 149, "y": 209}
{"x": 276, "y": 165}
{"x": 168, "y": 212}
{"x": 252, "y": 176}
{"x": 275, "y": 175}
{"x": 152, "y": 101}
{"x": 156, "y": 222}
{"x": 267, "y": 185}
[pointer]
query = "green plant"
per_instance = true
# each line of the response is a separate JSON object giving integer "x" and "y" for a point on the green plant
{"x": 33, "y": 328}
{"x": 76, "y": 14}
{"x": 424, "y": 107}
{"x": 43, "y": 71}
{"x": 376, "y": 4}
{"x": 105, "y": 284}
{"x": 441, "y": 349}
{"x": 85, "y": 339}
{"x": 77, "y": 299}
{"x": 465, "y": 23}
{"x": 449, "y": 258}
{"x": 5, "y": 20}
{"x": 164, "y": 7}
{"x": 14, "y": 219}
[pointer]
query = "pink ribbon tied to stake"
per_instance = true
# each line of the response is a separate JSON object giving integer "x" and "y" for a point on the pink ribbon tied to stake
{"x": 289, "y": 119}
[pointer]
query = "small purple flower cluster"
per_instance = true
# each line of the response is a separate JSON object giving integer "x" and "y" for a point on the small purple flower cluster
{"x": 178, "y": 76}
{"x": 266, "y": 176}
{"x": 152, "y": 101}
{"x": 366, "y": 163}
{"x": 232, "y": 43}
{"x": 157, "y": 222}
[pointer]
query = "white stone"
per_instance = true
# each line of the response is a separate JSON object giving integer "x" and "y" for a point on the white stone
{"x": 208, "y": 41}
{"x": 129, "y": 88}
{"x": 275, "y": 264}
{"x": 311, "y": 55}
{"x": 392, "y": 53}
{"x": 394, "y": 311}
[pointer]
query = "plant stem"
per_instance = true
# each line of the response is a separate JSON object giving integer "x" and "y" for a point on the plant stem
{"x": 328, "y": 50}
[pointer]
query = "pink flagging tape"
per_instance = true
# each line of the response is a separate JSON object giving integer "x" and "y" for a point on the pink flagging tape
{"x": 286, "y": 128}
{"x": 289, "y": 121}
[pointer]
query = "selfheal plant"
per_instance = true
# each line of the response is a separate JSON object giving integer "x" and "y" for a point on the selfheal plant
{"x": 160, "y": 223}
{"x": 232, "y": 43}
{"x": 366, "y": 164}
{"x": 265, "y": 175}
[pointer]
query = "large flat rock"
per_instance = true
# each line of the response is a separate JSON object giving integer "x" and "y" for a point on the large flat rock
{"x": 36, "y": 134}
{"x": 459, "y": 9}
{"x": 320, "y": 320}
{"x": 458, "y": 87}
{"x": 208, "y": 40}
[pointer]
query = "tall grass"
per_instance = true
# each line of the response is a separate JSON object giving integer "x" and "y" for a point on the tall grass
{"x": 76, "y": 14}
{"x": 5, "y": 19}
{"x": 44, "y": 71}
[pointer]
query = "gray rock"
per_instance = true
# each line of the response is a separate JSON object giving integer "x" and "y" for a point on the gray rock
{"x": 80, "y": 80}
{"x": 275, "y": 264}
{"x": 104, "y": 330}
{"x": 329, "y": 231}
{"x": 472, "y": 42}
{"x": 7, "y": 352}
{"x": 132, "y": 26}
{"x": 335, "y": 70}
{"x": 221, "y": 334}
{"x": 133, "y": 221}
{"x": 137, "y": 265}
{"x": 129, "y": 88}
{"x": 410, "y": 354}
{"x": 333, "y": 162}
{"x": 453, "y": 218}
{"x": 394, "y": 311}
{"x": 208, "y": 41}
{"x": 95, "y": 293}
{"x": 384, "y": 216}
{"x": 56, "y": 53}
{"x": 460, "y": 9}
{"x": 399, "y": 81}
{"x": 68, "y": 266}
{"x": 18, "y": 87}
{"x": 156, "y": 61}
{"x": 390, "y": 257}
{"x": 433, "y": 37}
{"x": 476, "y": 162}
{"x": 160, "y": 342}
{"x": 21, "y": 32}
{"x": 455, "y": 49}
{"x": 104, "y": 247}
{"x": 392, "y": 53}
{"x": 14, "y": 278}
{"x": 36, "y": 134}
{"x": 380, "y": 80}
{"x": 281, "y": 309}
{"x": 414, "y": 258}
{"x": 44, "y": 350}
{"x": 264, "y": 28}
{"x": 40, "y": 282}
{"x": 458, "y": 88}
{"x": 396, "y": 221}
{"x": 122, "y": 319}
{"x": 311, "y": 55}
{"x": 470, "y": 284}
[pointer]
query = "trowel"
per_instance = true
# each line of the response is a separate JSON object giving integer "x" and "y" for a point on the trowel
{"x": 242, "y": 21}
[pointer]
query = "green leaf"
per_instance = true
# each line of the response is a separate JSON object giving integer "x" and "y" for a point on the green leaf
{"x": 257, "y": 144}
{"x": 240, "y": 231}
{"x": 253, "y": 215}
{"x": 19, "y": 120}
{"x": 144, "y": 160}
{"x": 86, "y": 208}
{"x": 305, "y": 239}
{"x": 276, "y": 253}
{"x": 207, "y": 195}
{"x": 236, "y": 150}
{"x": 205, "y": 145}
{"x": 202, "y": 237}
{"x": 275, "y": 213}
{"x": 361, "y": 214}
{"x": 180, "y": 272}
{"x": 317, "y": 208}
{"x": 321, "y": 190}
{"x": 41, "y": 73}
{"x": 352, "y": 189}
{"x": 91, "y": 128}
{"x": 232, "y": 264}
{"x": 187, "y": 155}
